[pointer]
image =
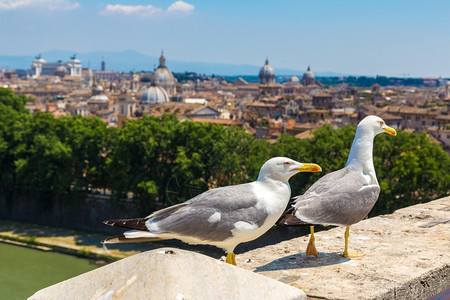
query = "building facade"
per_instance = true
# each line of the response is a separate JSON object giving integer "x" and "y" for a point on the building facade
{"x": 40, "y": 67}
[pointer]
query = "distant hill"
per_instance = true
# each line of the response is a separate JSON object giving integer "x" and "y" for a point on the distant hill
{"x": 130, "y": 60}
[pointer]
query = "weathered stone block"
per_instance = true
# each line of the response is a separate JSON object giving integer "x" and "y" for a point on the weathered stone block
{"x": 169, "y": 274}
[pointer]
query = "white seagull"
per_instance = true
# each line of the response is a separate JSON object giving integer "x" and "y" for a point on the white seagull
{"x": 343, "y": 197}
{"x": 223, "y": 217}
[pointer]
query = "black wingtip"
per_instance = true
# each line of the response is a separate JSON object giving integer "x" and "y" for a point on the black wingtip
{"x": 138, "y": 224}
{"x": 109, "y": 222}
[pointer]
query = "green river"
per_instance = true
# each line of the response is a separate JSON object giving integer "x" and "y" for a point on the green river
{"x": 24, "y": 271}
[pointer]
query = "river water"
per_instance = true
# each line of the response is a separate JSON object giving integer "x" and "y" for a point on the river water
{"x": 23, "y": 271}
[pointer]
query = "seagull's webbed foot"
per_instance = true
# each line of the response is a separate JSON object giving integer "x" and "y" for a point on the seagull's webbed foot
{"x": 352, "y": 255}
{"x": 231, "y": 258}
{"x": 345, "y": 253}
{"x": 311, "y": 248}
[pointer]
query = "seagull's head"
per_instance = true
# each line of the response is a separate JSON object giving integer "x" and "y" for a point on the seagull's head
{"x": 375, "y": 125}
{"x": 283, "y": 168}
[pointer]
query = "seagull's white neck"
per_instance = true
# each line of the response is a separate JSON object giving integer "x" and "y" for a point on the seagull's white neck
{"x": 268, "y": 179}
{"x": 361, "y": 156}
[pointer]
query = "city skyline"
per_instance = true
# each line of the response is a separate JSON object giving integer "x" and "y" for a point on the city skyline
{"x": 392, "y": 38}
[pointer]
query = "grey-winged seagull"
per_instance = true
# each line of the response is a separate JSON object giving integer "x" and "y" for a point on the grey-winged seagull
{"x": 223, "y": 217}
{"x": 343, "y": 197}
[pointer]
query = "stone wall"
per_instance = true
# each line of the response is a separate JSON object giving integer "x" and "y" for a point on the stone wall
{"x": 85, "y": 214}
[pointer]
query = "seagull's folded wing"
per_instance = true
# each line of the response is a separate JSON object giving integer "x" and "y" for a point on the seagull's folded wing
{"x": 212, "y": 215}
{"x": 342, "y": 197}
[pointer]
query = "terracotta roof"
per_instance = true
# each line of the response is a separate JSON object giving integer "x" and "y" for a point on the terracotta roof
{"x": 389, "y": 117}
{"x": 305, "y": 135}
{"x": 260, "y": 104}
{"x": 175, "y": 107}
{"x": 217, "y": 121}
{"x": 411, "y": 110}
{"x": 438, "y": 130}
{"x": 325, "y": 111}
{"x": 443, "y": 117}
{"x": 306, "y": 126}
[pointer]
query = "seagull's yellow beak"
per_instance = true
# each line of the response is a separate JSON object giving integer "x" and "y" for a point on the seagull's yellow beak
{"x": 309, "y": 168}
{"x": 389, "y": 130}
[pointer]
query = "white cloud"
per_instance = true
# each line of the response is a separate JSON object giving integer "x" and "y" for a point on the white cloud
{"x": 147, "y": 10}
{"x": 46, "y": 4}
{"x": 180, "y": 6}
{"x": 139, "y": 10}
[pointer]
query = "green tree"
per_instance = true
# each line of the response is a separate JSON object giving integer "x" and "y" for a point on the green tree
{"x": 41, "y": 161}
{"x": 160, "y": 161}
{"x": 411, "y": 170}
{"x": 91, "y": 142}
{"x": 12, "y": 116}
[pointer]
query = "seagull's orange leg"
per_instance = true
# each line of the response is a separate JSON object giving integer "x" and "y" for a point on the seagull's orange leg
{"x": 346, "y": 254}
{"x": 311, "y": 249}
{"x": 231, "y": 258}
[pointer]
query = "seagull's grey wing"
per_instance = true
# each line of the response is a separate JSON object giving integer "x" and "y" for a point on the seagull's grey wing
{"x": 328, "y": 182}
{"x": 339, "y": 198}
{"x": 211, "y": 215}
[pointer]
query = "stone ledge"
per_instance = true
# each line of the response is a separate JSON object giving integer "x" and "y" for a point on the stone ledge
{"x": 406, "y": 256}
{"x": 169, "y": 274}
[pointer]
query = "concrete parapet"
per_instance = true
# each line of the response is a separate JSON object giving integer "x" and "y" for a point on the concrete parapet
{"x": 169, "y": 274}
{"x": 406, "y": 256}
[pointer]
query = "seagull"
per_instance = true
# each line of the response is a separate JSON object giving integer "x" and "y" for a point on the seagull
{"x": 343, "y": 197}
{"x": 223, "y": 217}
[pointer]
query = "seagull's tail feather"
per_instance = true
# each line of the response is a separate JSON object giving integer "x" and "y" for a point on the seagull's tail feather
{"x": 289, "y": 219}
{"x": 139, "y": 232}
{"x": 138, "y": 224}
{"x": 122, "y": 239}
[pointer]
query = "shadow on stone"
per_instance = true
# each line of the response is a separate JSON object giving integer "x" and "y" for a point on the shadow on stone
{"x": 301, "y": 261}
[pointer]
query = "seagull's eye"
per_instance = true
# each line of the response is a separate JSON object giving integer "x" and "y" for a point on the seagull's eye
{"x": 381, "y": 122}
{"x": 287, "y": 163}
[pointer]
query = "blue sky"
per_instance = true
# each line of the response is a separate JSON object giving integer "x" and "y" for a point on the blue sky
{"x": 393, "y": 38}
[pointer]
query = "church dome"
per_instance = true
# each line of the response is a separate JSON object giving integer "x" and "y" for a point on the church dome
{"x": 266, "y": 73}
{"x": 162, "y": 74}
{"x": 294, "y": 79}
{"x": 309, "y": 74}
{"x": 61, "y": 71}
{"x": 101, "y": 98}
{"x": 61, "y": 68}
{"x": 98, "y": 89}
{"x": 308, "y": 77}
{"x": 266, "y": 69}
{"x": 154, "y": 95}
{"x": 98, "y": 95}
